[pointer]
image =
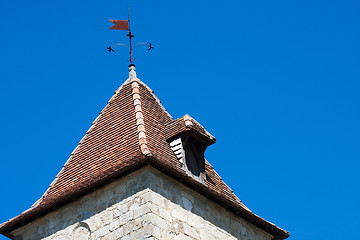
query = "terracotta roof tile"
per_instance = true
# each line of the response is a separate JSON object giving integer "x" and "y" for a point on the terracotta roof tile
{"x": 133, "y": 129}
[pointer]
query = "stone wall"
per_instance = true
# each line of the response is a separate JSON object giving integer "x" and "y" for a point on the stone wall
{"x": 143, "y": 205}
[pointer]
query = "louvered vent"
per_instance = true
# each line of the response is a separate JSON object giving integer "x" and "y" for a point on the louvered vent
{"x": 177, "y": 147}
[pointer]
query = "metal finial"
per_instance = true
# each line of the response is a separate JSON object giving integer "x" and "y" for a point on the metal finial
{"x": 132, "y": 72}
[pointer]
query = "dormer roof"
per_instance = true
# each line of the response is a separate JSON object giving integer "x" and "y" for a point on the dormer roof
{"x": 133, "y": 130}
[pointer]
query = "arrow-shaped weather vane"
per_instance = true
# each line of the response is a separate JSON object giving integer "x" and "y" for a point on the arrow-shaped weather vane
{"x": 125, "y": 25}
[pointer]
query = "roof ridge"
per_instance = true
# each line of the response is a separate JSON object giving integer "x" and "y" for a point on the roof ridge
{"x": 155, "y": 97}
{"x": 188, "y": 121}
{"x": 139, "y": 124}
{"x": 77, "y": 147}
{"x": 132, "y": 130}
{"x": 236, "y": 197}
{"x": 139, "y": 116}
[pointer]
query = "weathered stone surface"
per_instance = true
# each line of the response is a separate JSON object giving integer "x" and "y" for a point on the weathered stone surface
{"x": 144, "y": 205}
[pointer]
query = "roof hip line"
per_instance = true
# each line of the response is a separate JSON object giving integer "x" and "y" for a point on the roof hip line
{"x": 140, "y": 125}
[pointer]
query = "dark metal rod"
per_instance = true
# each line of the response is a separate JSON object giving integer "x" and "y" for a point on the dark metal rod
{"x": 131, "y": 59}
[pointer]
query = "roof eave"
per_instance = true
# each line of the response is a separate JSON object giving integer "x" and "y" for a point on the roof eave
{"x": 239, "y": 210}
{"x": 41, "y": 210}
{"x": 183, "y": 178}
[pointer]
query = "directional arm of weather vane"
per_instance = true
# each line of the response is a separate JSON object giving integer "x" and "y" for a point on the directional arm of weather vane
{"x": 147, "y": 44}
{"x": 120, "y": 44}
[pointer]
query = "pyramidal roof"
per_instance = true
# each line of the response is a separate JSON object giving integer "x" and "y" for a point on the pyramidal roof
{"x": 133, "y": 130}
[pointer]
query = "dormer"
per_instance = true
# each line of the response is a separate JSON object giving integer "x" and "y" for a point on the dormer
{"x": 189, "y": 140}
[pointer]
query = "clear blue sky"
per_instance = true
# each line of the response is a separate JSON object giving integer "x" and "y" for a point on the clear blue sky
{"x": 276, "y": 82}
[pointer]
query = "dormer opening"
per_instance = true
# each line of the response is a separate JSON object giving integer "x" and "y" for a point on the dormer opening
{"x": 190, "y": 152}
{"x": 194, "y": 155}
{"x": 192, "y": 161}
{"x": 189, "y": 140}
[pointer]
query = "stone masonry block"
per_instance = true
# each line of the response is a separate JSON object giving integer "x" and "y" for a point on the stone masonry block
{"x": 146, "y": 204}
{"x": 191, "y": 231}
{"x": 126, "y": 217}
{"x": 142, "y": 210}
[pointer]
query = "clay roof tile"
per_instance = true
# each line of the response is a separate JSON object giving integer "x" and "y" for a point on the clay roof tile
{"x": 133, "y": 129}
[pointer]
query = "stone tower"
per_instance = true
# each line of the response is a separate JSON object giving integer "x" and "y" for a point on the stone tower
{"x": 140, "y": 174}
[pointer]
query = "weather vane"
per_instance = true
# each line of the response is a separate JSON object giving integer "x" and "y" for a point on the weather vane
{"x": 125, "y": 25}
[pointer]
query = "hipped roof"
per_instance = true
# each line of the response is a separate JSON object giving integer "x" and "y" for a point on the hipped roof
{"x": 130, "y": 132}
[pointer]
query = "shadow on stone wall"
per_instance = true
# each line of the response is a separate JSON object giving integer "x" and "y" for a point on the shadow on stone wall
{"x": 190, "y": 200}
{"x": 79, "y": 220}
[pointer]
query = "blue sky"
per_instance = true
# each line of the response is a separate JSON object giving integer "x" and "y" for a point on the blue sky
{"x": 276, "y": 82}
